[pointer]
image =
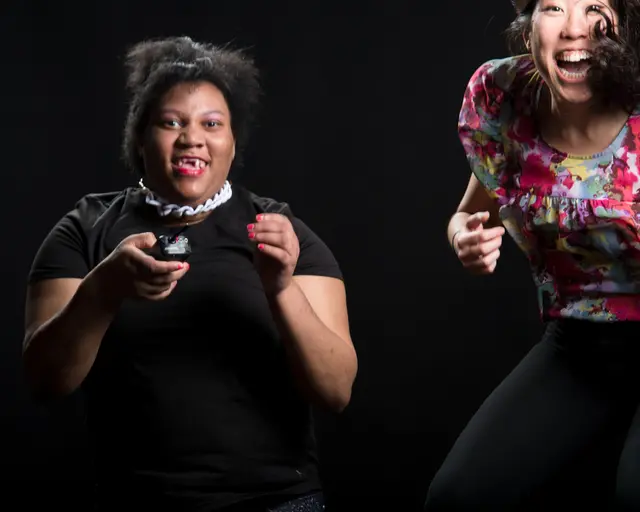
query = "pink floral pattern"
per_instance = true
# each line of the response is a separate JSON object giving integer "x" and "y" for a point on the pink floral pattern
{"x": 576, "y": 217}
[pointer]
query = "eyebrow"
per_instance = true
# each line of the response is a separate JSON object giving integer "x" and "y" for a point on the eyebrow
{"x": 178, "y": 112}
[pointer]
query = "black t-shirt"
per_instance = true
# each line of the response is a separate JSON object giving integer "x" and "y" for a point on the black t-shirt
{"x": 191, "y": 398}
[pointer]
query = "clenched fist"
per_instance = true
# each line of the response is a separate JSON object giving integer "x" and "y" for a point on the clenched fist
{"x": 478, "y": 249}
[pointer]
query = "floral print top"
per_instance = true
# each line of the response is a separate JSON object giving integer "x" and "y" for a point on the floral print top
{"x": 576, "y": 217}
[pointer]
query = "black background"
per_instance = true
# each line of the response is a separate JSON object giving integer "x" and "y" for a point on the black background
{"x": 358, "y": 134}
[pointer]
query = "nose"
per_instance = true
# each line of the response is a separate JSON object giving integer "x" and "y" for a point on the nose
{"x": 191, "y": 136}
{"x": 577, "y": 26}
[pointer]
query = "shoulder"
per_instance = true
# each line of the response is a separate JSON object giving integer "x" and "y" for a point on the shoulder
{"x": 498, "y": 82}
{"x": 91, "y": 207}
{"x": 507, "y": 75}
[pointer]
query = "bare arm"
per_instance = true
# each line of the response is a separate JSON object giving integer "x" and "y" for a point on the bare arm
{"x": 475, "y": 199}
{"x": 65, "y": 322}
{"x": 311, "y": 315}
{"x": 66, "y": 318}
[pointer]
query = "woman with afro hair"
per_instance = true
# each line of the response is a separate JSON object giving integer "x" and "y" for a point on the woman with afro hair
{"x": 201, "y": 321}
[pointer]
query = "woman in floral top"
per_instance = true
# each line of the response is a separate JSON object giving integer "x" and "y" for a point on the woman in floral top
{"x": 553, "y": 139}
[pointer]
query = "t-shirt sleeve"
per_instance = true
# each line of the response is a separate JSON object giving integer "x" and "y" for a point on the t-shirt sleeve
{"x": 480, "y": 128}
{"x": 62, "y": 253}
{"x": 315, "y": 259}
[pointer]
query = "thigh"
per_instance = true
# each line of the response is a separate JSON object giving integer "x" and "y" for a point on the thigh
{"x": 535, "y": 422}
{"x": 628, "y": 481}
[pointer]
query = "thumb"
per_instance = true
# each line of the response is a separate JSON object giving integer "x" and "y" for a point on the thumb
{"x": 142, "y": 240}
{"x": 475, "y": 221}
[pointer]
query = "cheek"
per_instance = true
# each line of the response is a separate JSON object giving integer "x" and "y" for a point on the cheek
{"x": 222, "y": 147}
{"x": 157, "y": 146}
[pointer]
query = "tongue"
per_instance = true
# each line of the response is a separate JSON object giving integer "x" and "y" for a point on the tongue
{"x": 574, "y": 67}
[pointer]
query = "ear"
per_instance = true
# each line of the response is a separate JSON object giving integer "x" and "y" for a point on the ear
{"x": 527, "y": 41}
{"x": 233, "y": 152}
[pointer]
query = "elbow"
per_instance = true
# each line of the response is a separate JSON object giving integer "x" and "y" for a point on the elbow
{"x": 44, "y": 392}
{"x": 340, "y": 402}
{"x": 341, "y": 397}
{"x": 43, "y": 388}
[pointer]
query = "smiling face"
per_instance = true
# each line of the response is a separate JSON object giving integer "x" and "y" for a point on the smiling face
{"x": 188, "y": 146}
{"x": 562, "y": 39}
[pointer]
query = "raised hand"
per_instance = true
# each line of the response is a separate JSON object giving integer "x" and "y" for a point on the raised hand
{"x": 278, "y": 250}
{"x": 478, "y": 248}
{"x": 129, "y": 272}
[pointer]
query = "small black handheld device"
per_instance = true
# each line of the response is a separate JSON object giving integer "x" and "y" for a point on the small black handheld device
{"x": 171, "y": 248}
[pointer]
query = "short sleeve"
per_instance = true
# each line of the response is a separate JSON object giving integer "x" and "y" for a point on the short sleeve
{"x": 315, "y": 259}
{"x": 480, "y": 128}
{"x": 62, "y": 254}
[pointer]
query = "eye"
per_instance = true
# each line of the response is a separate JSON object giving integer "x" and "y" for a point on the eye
{"x": 170, "y": 123}
{"x": 594, "y": 8}
{"x": 212, "y": 123}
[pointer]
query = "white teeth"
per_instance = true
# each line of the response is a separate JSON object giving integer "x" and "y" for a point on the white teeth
{"x": 573, "y": 56}
{"x": 191, "y": 162}
{"x": 572, "y": 75}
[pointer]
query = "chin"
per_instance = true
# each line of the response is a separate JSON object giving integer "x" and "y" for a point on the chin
{"x": 572, "y": 94}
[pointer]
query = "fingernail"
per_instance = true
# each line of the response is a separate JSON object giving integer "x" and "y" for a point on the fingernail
{"x": 261, "y": 247}
{"x": 260, "y": 217}
{"x": 250, "y": 227}
{"x": 252, "y": 235}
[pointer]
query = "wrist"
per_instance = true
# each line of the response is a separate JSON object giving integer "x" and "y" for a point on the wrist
{"x": 454, "y": 238}
{"x": 279, "y": 294}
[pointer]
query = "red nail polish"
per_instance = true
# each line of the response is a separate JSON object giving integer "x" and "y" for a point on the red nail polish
{"x": 250, "y": 227}
{"x": 261, "y": 247}
{"x": 252, "y": 235}
{"x": 260, "y": 217}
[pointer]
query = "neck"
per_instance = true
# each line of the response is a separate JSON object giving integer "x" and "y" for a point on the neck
{"x": 576, "y": 123}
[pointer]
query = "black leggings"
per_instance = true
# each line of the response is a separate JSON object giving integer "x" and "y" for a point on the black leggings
{"x": 578, "y": 385}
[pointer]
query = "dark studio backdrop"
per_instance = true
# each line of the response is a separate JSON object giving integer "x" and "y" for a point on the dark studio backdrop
{"x": 358, "y": 134}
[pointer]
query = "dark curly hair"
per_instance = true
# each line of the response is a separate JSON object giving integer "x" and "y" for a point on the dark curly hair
{"x": 614, "y": 75}
{"x": 155, "y": 66}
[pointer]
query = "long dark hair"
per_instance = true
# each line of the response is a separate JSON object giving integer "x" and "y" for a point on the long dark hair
{"x": 614, "y": 75}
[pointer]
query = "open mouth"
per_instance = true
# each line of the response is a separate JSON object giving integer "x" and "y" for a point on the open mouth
{"x": 189, "y": 166}
{"x": 574, "y": 64}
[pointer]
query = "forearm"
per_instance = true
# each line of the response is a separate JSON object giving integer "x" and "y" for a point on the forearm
{"x": 59, "y": 354}
{"x": 323, "y": 364}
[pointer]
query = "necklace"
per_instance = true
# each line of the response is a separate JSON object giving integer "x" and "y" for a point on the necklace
{"x": 165, "y": 208}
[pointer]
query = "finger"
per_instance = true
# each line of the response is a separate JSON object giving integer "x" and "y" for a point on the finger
{"x": 479, "y": 237}
{"x": 274, "y": 252}
{"x": 266, "y": 226}
{"x": 483, "y": 262}
{"x": 166, "y": 279}
{"x": 146, "y": 264}
{"x": 476, "y": 220}
{"x": 161, "y": 294}
{"x": 141, "y": 240}
{"x": 271, "y": 217}
{"x": 146, "y": 289}
{"x": 479, "y": 250}
{"x": 277, "y": 239}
